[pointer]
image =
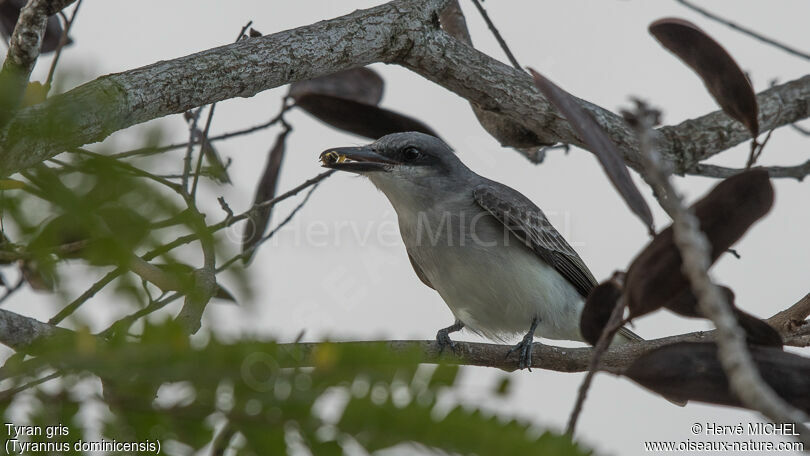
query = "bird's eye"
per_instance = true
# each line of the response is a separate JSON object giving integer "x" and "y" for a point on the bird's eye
{"x": 410, "y": 154}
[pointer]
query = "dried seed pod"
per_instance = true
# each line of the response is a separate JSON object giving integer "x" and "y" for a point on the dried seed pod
{"x": 599, "y": 144}
{"x": 362, "y": 85}
{"x": 720, "y": 73}
{"x": 598, "y": 307}
{"x": 725, "y": 214}
{"x": 348, "y": 100}
{"x": 258, "y": 220}
{"x": 691, "y": 371}
{"x": 757, "y": 331}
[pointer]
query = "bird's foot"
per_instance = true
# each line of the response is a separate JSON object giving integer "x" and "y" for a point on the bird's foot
{"x": 443, "y": 336}
{"x": 524, "y": 350}
{"x": 443, "y": 340}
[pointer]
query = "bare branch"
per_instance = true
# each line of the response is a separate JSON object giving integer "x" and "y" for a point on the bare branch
{"x": 599, "y": 350}
{"x": 18, "y": 332}
{"x": 403, "y": 32}
{"x": 252, "y": 249}
{"x": 499, "y": 88}
{"x": 94, "y": 110}
{"x": 84, "y": 297}
{"x": 798, "y": 172}
{"x": 152, "y": 150}
{"x": 508, "y": 132}
{"x": 497, "y": 35}
{"x": 153, "y": 274}
{"x": 791, "y": 319}
{"x": 63, "y": 41}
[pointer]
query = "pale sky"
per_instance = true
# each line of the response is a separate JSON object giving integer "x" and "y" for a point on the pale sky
{"x": 339, "y": 270}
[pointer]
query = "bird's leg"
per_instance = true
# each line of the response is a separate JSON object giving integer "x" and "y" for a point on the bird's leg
{"x": 443, "y": 336}
{"x": 524, "y": 348}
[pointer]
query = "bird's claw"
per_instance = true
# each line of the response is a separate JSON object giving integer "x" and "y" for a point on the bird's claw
{"x": 524, "y": 349}
{"x": 443, "y": 340}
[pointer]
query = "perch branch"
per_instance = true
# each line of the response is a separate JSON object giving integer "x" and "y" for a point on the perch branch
{"x": 17, "y": 331}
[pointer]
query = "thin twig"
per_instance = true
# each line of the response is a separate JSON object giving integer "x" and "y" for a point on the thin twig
{"x": 264, "y": 239}
{"x": 11, "y": 392}
{"x": 146, "y": 151}
{"x": 237, "y": 218}
{"x": 204, "y": 139}
{"x": 62, "y": 42}
{"x": 243, "y": 30}
{"x": 134, "y": 170}
{"x": 497, "y": 35}
{"x": 613, "y": 325}
{"x": 89, "y": 293}
{"x": 59, "y": 250}
{"x": 798, "y": 172}
{"x": 225, "y": 207}
{"x": 229, "y": 220}
{"x": 203, "y": 144}
{"x": 744, "y": 30}
{"x": 790, "y": 319}
{"x": 222, "y": 440}
{"x": 128, "y": 320}
{"x": 756, "y": 150}
{"x": 190, "y": 149}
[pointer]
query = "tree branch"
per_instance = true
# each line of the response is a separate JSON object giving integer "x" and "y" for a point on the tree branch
{"x": 18, "y": 331}
{"x": 798, "y": 172}
{"x": 791, "y": 319}
{"x": 497, "y": 35}
{"x": 23, "y": 51}
{"x": 401, "y": 31}
{"x": 93, "y": 111}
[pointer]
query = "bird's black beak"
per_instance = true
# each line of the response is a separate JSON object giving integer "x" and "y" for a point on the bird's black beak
{"x": 355, "y": 159}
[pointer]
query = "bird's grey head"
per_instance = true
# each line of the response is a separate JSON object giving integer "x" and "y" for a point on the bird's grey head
{"x": 402, "y": 164}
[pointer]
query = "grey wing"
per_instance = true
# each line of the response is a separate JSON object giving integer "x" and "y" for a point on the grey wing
{"x": 419, "y": 272}
{"x": 528, "y": 223}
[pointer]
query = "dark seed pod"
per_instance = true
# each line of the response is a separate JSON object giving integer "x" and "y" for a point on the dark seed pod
{"x": 725, "y": 214}
{"x": 691, "y": 371}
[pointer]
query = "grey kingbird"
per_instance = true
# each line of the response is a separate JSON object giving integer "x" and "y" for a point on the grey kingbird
{"x": 489, "y": 252}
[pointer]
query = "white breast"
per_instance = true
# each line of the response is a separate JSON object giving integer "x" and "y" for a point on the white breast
{"x": 492, "y": 282}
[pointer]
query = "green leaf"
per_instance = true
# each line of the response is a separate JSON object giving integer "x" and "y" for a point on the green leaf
{"x": 462, "y": 431}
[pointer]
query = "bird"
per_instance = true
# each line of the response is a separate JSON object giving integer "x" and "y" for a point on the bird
{"x": 488, "y": 250}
